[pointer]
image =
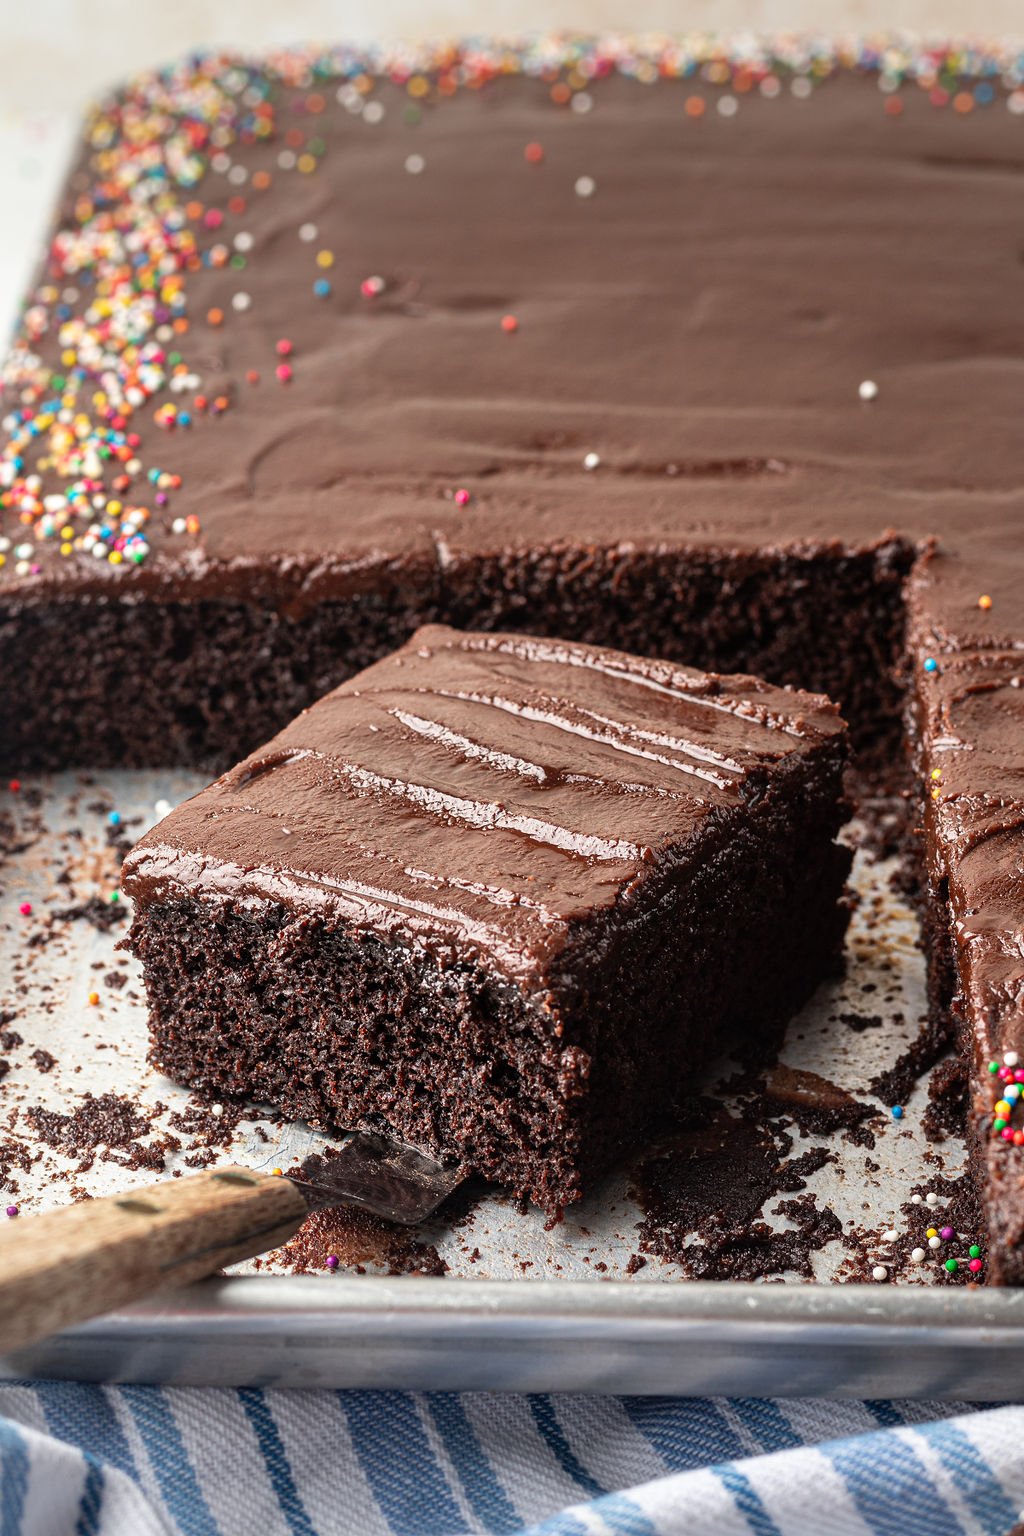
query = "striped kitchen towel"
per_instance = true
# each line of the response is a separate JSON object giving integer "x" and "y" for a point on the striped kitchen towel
{"x": 152, "y": 1461}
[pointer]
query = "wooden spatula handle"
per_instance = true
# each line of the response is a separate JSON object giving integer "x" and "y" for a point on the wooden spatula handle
{"x": 74, "y": 1263}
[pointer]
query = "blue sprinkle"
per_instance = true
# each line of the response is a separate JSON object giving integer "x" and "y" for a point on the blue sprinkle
{"x": 930, "y": 664}
{"x": 321, "y": 288}
{"x": 984, "y": 93}
{"x": 114, "y": 818}
{"x": 897, "y": 1111}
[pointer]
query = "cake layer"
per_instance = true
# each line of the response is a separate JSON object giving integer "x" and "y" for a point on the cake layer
{"x": 672, "y": 348}
{"x": 500, "y": 896}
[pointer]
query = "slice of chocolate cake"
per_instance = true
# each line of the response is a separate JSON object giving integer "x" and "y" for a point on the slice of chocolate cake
{"x": 498, "y": 896}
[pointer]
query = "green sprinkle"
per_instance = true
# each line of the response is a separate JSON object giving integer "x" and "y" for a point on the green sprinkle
{"x": 974, "y": 1251}
{"x": 238, "y": 261}
{"x": 993, "y": 1066}
{"x": 951, "y": 1266}
{"x": 999, "y": 1125}
{"x": 413, "y": 115}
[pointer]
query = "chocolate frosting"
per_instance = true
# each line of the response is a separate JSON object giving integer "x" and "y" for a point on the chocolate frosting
{"x": 697, "y": 326}
{"x": 482, "y": 792}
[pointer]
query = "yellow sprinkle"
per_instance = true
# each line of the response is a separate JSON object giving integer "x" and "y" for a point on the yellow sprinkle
{"x": 3, "y": 559}
{"x": 113, "y": 507}
{"x": 936, "y": 793}
{"x": 306, "y": 164}
{"x": 66, "y": 549}
{"x": 936, "y": 774}
{"x": 932, "y": 1232}
{"x": 115, "y": 557}
{"x": 1003, "y": 1109}
{"x": 278, "y": 1173}
{"x": 418, "y": 86}
{"x": 325, "y": 258}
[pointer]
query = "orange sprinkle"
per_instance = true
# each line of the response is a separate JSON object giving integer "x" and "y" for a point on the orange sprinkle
{"x": 94, "y": 998}
{"x": 534, "y": 153}
{"x": 193, "y": 210}
{"x": 984, "y": 601}
{"x": 560, "y": 93}
{"x": 236, "y": 204}
{"x": 509, "y": 323}
{"x": 261, "y": 180}
{"x": 963, "y": 101}
{"x": 215, "y": 316}
{"x": 192, "y": 523}
{"x": 894, "y": 107}
{"x": 695, "y": 106}
{"x": 278, "y": 1173}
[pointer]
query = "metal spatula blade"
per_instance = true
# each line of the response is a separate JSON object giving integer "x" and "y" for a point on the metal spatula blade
{"x": 388, "y": 1178}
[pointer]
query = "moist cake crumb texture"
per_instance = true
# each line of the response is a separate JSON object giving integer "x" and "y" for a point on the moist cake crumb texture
{"x": 498, "y": 896}
{"x": 328, "y": 346}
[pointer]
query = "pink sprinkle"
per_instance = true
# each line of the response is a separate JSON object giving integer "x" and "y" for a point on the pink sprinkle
{"x": 370, "y": 287}
{"x": 1018, "y": 1076}
{"x": 25, "y": 909}
{"x": 1007, "y": 1134}
{"x": 284, "y": 347}
{"x": 462, "y": 497}
{"x": 283, "y": 372}
{"x": 974, "y": 1266}
{"x": 213, "y": 218}
{"x": 1005, "y": 1075}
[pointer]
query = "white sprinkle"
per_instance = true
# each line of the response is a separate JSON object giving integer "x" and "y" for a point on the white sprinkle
{"x": 918, "y": 1255}
{"x": 241, "y": 301}
{"x": 373, "y": 112}
{"x": 69, "y": 295}
{"x": 931, "y": 1198}
{"x": 1015, "y": 103}
{"x": 890, "y": 1236}
{"x": 414, "y": 164}
{"x": 99, "y": 551}
{"x": 216, "y": 1109}
{"x": 586, "y": 186}
{"x": 915, "y": 1199}
{"x": 728, "y": 106}
{"x": 179, "y": 525}
{"x": 238, "y": 175}
{"x": 935, "y": 1242}
{"x": 801, "y": 87}
{"x": 879, "y": 1272}
{"x": 162, "y": 809}
{"x": 349, "y": 97}
{"x": 308, "y": 232}
{"x": 591, "y": 460}
{"x": 23, "y": 552}
{"x": 868, "y": 389}
{"x": 243, "y": 241}
{"x": 220, "y": 163}
{"x": 21, "y": 569}
{"x": 286, "y": 160}
{"x": 770, "y": 86}
{"x": 582, "y": 102}
{"x": 1010, "y": 1059}
{"x": 5, "y": 544}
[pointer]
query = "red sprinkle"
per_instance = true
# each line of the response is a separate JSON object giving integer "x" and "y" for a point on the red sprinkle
{"x": 14, "y": 786}
{"x": 534, "y": 153}
{"x": 509, "y": 323}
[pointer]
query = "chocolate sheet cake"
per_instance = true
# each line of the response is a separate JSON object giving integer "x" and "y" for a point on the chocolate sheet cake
{"x": 703, "y": 353}
{"x": 500, "y": 896}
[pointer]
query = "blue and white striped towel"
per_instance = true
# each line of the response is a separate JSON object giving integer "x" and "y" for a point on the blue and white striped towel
{"x": 151, "y": 1461}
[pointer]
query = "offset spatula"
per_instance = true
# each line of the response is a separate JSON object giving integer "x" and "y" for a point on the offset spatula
{"x": 71, "y": 1264}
